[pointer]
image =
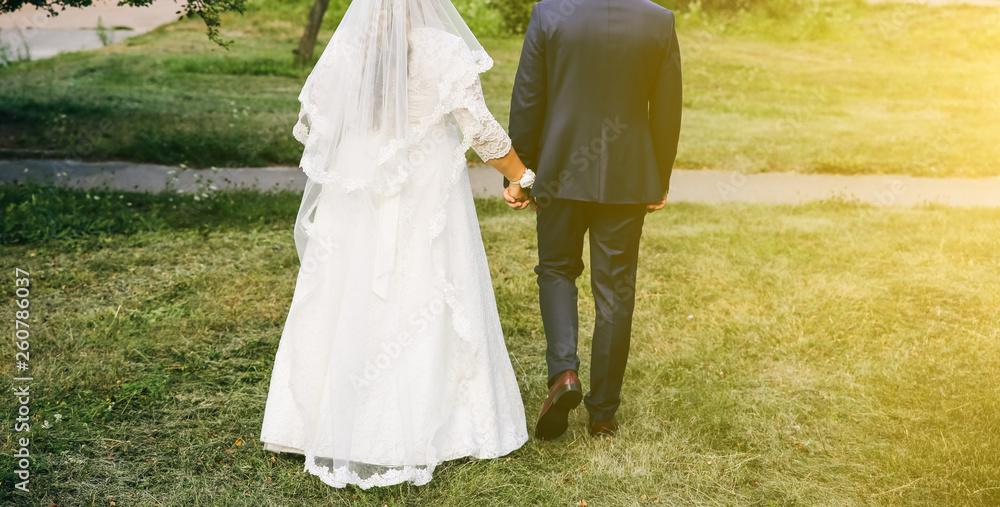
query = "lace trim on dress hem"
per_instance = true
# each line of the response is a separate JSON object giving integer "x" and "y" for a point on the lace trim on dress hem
{"x": 387, "y": 475}
{"x": 341, "y": 476}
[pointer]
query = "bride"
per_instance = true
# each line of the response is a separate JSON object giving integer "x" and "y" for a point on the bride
{"x": 392, "y": 359}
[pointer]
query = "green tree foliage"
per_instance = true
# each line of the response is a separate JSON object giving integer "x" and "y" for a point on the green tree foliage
{"x": 514, "y": 13}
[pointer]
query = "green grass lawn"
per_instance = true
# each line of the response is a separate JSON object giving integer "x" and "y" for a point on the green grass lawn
{"x": 839, "y": 88}
{"x": 824, "y": 354}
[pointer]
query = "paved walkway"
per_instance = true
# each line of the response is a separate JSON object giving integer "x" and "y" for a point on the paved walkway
{"x": 706, "y": 186}
{"x": 75, "y": 28}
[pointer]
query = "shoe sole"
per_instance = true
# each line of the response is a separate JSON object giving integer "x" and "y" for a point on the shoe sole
{"x": 554, "y": 422}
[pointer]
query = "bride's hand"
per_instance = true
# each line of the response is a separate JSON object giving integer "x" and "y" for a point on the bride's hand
{"x": 516, "y": 197}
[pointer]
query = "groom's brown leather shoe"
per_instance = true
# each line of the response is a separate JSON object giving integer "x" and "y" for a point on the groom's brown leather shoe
{"x": 564, "y": 395}
{"x": 602, "y": 427}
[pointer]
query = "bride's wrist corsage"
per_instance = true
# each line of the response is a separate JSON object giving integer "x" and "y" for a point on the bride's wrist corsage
{"x": 527, "y": 179}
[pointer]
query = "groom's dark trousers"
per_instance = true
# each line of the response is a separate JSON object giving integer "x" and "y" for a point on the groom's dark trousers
{"x": 596, "y": 111}
{"x": 614, "y": 248}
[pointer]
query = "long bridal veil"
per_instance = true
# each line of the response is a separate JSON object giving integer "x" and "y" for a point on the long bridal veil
{"x": 353, "y": 119}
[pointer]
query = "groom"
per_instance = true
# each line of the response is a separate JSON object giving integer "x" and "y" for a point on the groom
{"x": 596, "y": 110}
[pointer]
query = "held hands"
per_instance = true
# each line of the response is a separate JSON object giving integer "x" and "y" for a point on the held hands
{"x": 517, "y": 197}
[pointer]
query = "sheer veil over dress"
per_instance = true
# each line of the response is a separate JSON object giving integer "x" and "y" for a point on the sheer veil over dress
{"x": 392, "y": 359}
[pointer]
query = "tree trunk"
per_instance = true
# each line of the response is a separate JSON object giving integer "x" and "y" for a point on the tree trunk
{"x": 304, "y": 54}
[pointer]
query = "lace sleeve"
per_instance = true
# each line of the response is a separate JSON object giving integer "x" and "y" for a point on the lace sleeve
{"x": 489, "y": 140}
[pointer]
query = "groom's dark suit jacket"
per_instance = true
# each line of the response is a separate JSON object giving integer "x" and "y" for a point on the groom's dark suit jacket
{"x": 596, "y": 108}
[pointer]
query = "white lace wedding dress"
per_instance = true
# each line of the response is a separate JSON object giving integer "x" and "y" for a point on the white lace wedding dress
{"x": 392, "y": 359}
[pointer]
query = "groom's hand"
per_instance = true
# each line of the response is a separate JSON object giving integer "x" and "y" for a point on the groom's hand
{"x": 656, "y": 206}
{"x": 516, "y": 197}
